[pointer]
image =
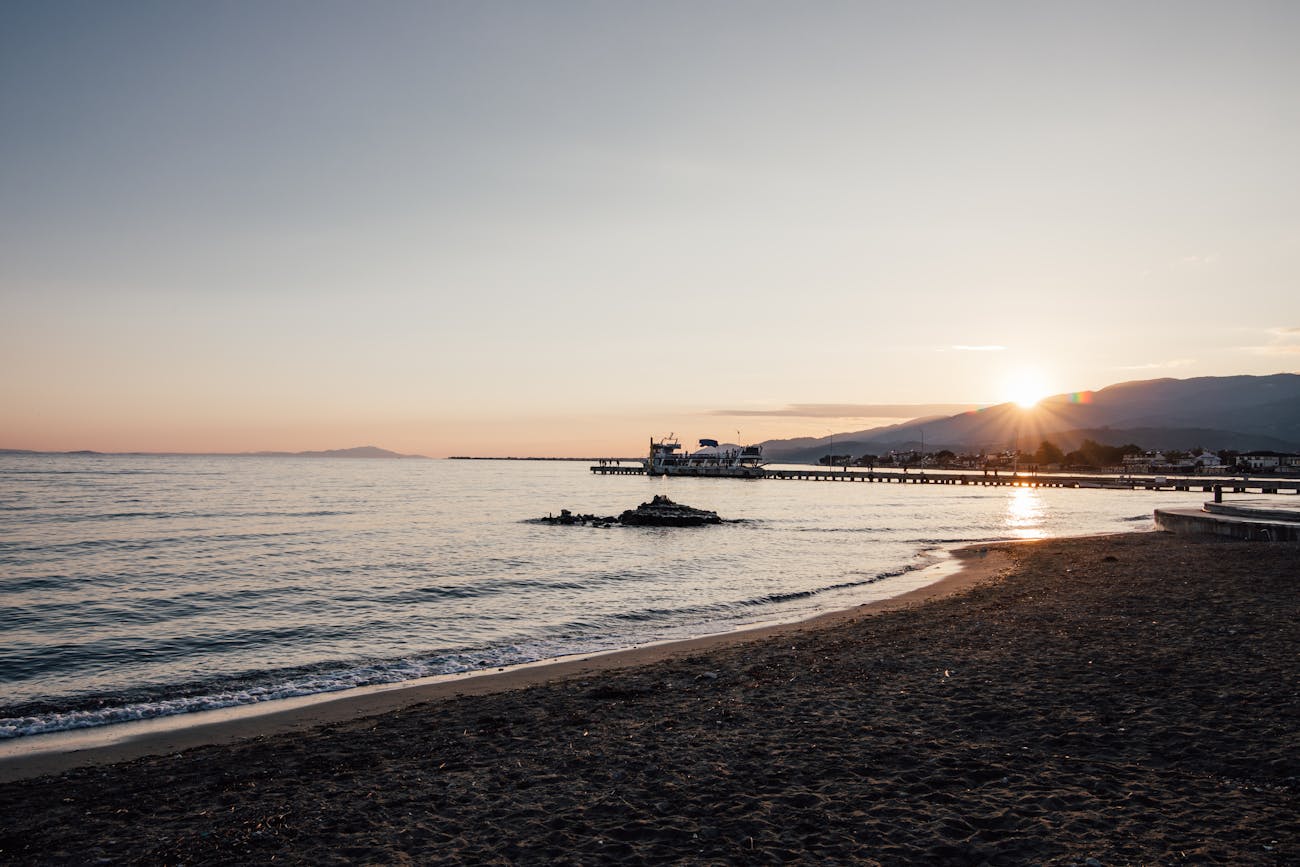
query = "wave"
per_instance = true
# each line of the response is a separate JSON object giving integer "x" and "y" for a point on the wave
{"x": 841, "y": 530}
{"x": 45, "y": 723}
{"x": 75, "y": 518}
{"x": 959, "y": 540}
{"x": 575, "y": 636}
{"x": 138, "y": 544}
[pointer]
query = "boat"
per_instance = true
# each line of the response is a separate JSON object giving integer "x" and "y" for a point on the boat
{"x": 710, "y": 459}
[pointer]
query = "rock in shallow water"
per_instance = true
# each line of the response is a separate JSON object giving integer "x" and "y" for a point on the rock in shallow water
{"x": 663, "y": 512}
{"x": 568, "y": 519}
{"x": 659, "y": 512}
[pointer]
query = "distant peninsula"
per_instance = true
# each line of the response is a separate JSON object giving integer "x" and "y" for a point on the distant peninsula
{"x": 357, "y": 452}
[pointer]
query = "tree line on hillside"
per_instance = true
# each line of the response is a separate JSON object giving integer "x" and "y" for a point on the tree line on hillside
{"x": 1089, "y": 454}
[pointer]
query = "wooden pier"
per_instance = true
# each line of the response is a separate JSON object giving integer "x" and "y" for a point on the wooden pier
{"x": 616, "y": 470}
{"x": 1206, "y": 484}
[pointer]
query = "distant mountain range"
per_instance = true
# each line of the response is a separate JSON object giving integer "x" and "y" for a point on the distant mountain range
{"x": 358, "y": 452}
{"x": 1214, "y": 412}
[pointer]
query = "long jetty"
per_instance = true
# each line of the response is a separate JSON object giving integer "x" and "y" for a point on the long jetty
{"x": 1025, "y": 480}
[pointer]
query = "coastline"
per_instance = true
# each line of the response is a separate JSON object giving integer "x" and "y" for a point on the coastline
{"x": 1123, "y": 699}
{"x": 42, "y": 755}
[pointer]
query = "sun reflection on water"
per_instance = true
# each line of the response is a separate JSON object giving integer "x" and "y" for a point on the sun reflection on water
{"x": 1025, "y": 514}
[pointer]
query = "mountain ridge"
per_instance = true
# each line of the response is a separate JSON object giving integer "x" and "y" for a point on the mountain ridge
{"x": 1213, "y": 412}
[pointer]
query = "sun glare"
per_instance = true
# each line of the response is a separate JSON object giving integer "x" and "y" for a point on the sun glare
{"x": 1026, "y": 388}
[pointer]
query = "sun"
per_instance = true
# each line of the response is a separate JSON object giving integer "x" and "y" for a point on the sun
{"x": 1026, "y": 387}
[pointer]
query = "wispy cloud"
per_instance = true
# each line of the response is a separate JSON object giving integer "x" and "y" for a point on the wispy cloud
{"x": 990, "y": 348}
{"x": 1281, "y": 341}
{"x": 853, "y": 410}
{"x": 1159, "y": 365}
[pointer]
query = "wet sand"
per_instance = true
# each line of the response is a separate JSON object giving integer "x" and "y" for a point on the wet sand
{"x": 1126, "y": 699}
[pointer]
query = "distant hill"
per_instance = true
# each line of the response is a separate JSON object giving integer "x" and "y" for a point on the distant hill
{"x": 358, "y": 452}
{"x": 1213, "y": 412}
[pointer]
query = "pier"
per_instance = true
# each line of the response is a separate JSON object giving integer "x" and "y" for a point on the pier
{"x": 1205, "y": 484}
{"x": 613, "y": 470}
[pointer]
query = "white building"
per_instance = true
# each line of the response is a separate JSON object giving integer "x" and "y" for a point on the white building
{"x": 1258, "y": 461}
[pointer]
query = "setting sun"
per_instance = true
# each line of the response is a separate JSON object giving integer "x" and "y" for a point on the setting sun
{"x": 1026, "y": 388}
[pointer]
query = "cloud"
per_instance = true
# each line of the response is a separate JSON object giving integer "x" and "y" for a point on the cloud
{"x": 989, "y": 348}
{"x": 1159, "y": 365}
{"x": 853, "y": 410}
{"x": 1283, "y": 340}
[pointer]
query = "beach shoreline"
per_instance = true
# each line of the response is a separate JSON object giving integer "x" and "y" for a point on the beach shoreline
{"x": 40, "y": 755}
{"x": 1124, "y": 699}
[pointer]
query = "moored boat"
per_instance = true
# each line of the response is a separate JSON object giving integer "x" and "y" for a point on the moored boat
{"x": 710, "y": 459}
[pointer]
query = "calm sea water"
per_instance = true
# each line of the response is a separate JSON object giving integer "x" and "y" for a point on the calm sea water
{"x": 134, "y": 587}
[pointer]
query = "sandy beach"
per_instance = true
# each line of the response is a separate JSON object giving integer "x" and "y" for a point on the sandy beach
{"x": 1126, "y": 699}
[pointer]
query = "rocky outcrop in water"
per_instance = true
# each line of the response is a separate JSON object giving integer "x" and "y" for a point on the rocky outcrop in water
{"x": 659, "y": 512}
{"x": 663, "y": 512}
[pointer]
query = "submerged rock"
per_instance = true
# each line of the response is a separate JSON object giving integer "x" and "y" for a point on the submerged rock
{"x": 567, "y": 518}
{"x": 663, "y": 512}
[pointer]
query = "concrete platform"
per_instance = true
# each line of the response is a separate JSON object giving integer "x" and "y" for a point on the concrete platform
{"x": 1254, "y": 519}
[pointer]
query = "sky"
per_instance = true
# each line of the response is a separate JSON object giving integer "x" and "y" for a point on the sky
{"x": 562, "y": 228}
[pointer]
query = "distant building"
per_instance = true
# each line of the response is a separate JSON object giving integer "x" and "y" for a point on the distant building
{"x": 1207, "y": 464}
{"x": 1144, "y": 462}
{"x": 1264, "y": 461}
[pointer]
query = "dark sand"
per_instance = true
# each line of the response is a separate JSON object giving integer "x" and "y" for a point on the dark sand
{"x": 1128, "y": 699}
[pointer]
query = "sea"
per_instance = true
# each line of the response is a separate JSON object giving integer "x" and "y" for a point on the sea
{"x": 137, "y": 587}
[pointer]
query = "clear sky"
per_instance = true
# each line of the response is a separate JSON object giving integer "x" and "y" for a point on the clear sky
{"x": 563, "y": 227}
